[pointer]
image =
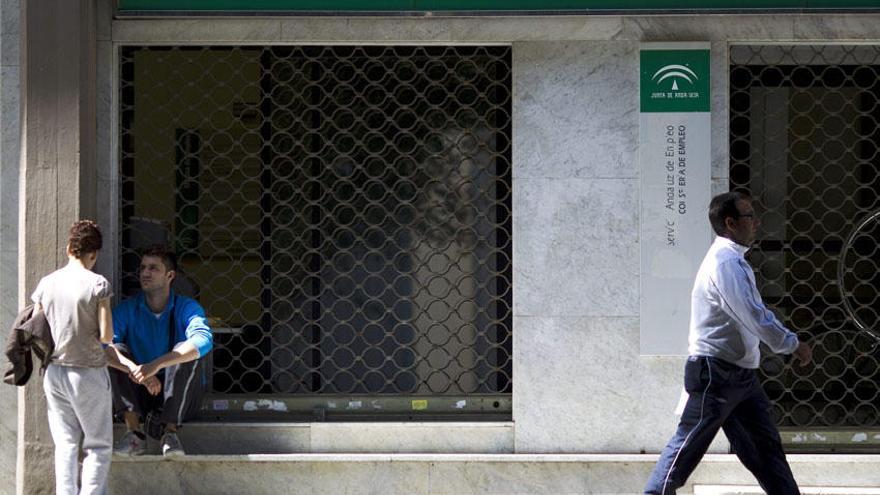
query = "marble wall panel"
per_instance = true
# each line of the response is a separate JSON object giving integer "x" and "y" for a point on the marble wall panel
{"x": 720, "y": 185}
{"x": 537, "y": 28}
{"x": 9, "y": 158}
{"x": 720, "y": 121}
{"x": 575, "y": 247}
{"x": 754, "y": 27}
{"x": 582, "y": 387}
{"x": 11, "y": 53}
{"x": 8, "y": 395}
{"x": 367, "y": 29}
{"x": 9, "y": 174}
{"x": 8, "y": 289}
{"x": 202, "y": 30}
{"x": 10, "y": 16}
{"x": 376, "y": 29}
{"x": 708, "y": 27}
{"x": 10, "y": 151}
{"x": 575, "y": 109}
{"x": 860, "y": 28}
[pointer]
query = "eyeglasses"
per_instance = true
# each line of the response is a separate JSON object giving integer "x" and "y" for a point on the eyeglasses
{"x": 751, "y": 215}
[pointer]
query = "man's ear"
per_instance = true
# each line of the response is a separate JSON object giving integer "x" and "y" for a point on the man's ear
{"x": 730, "y": 223}
{"x": 171, "y": 274}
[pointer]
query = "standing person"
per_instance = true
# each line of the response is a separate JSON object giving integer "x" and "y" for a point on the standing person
{"x": 158, "y": 340}
{"x": 728, "y": 321}
{"x": 76, "y": 302}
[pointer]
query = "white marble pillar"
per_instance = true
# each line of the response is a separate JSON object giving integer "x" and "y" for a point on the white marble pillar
{"x": 10, "y": 33}
{"x": 579, "y": 383}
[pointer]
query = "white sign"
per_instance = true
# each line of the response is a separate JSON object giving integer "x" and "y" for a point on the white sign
{"x": 675, "y": 180}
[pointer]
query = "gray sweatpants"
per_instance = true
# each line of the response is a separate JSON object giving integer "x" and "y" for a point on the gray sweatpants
{"x": 80, "y": 408}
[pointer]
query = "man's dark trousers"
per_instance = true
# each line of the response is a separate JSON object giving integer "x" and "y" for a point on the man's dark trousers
{"x": 183, "y": 389}
{"x": 723, "y": 395}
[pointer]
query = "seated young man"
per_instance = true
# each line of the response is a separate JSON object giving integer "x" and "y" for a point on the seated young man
{"x": 159, "y": 338}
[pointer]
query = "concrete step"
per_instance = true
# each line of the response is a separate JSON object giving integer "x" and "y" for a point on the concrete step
{"x": 367, "y": 437}
{"x": 805, "y": 490}
{"x": 459, "y": 474}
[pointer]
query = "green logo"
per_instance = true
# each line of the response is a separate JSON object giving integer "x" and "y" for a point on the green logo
{"x": 674, "y": 80}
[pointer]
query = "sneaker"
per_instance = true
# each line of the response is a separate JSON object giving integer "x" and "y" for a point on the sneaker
{"x": 171, "y": 445}
{"x": 131, "y": 444}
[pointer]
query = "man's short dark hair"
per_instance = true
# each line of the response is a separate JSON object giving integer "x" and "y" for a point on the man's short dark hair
{"x": 722, "y": 207}
{"x": 161, "y": 251}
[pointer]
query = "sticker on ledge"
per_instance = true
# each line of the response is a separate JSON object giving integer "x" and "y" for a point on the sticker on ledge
{"x": 419, "y": 404}
{"x": 264, "y": 404}
{"x": 221, "y": 405}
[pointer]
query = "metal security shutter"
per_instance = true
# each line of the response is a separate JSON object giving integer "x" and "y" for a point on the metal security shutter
{"x": 804, "y": 135}
{"x": 343, "y": 213}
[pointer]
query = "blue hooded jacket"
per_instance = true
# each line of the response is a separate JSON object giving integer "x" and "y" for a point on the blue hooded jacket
{"x": 147, "y": 337}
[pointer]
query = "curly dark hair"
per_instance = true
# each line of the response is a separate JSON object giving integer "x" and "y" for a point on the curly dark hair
{"x": 85, "y": 237}
{"x": 161, "y": 251}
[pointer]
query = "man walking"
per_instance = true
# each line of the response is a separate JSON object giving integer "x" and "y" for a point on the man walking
{"x": 728, "y": 322}
{"x": 156, "y": 370}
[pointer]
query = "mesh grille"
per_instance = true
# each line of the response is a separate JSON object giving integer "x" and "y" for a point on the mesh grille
{"x": 804, "y": 136}
{"x": 342, "y": 213}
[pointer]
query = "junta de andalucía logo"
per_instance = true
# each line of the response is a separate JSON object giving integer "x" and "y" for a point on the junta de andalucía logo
{"x": 676, "y": 73}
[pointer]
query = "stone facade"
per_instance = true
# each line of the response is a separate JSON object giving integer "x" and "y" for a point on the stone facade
{"x": 580, "y": 385}
{"x": 9, "y": 158}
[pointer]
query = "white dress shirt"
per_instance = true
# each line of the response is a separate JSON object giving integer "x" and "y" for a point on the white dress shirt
{"x": 728, "y": 317}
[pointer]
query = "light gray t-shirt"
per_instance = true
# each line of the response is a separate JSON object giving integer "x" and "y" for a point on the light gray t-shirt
{"x": 69, "y": 297}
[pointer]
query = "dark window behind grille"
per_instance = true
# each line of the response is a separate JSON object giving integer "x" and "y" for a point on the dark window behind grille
{"x": 804, "y": 135}
{"x": 343, "y": 213}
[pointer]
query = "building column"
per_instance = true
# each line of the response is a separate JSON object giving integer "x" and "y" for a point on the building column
{"x": 9, "y": 136}
{"x": 58, "y": 180}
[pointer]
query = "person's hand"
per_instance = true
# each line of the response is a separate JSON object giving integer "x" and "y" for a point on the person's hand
{"x": 154, "y": 386}
{"x": 142, "y": 372}
{"x": 131, "y": 369}
{"x": 804, "y": 353}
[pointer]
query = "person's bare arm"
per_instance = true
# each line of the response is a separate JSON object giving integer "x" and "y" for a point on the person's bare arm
{"x": 105, "y": 321}
{"x": 118, "y": 360}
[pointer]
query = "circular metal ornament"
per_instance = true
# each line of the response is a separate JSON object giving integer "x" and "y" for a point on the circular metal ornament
{"x": 841, "y": 274}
